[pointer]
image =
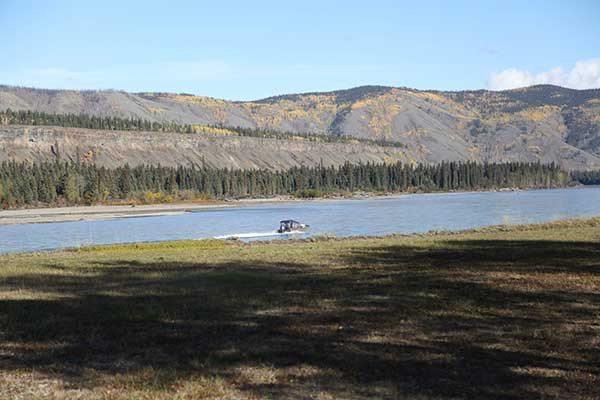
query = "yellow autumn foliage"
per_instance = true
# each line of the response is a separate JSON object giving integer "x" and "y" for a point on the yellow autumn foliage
{"x": 157, "y": 197}
{"x": 431, "y": 96}
{"x": 562, "y": 128}
{"x": 212, "y": 130}
{"x": 156, "y": 110}
{"x": 413, "y": 133}
{"x": 316, "y": 108}
{"x": 532, "y": 114}
{"x": 538, "y": 114}
{"x": 200, "y": 100}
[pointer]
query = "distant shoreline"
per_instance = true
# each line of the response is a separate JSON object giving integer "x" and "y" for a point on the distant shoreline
{"x": 108, "y": 212}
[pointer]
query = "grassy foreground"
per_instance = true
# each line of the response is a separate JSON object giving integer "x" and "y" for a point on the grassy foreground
{"x": 500, "y": 313}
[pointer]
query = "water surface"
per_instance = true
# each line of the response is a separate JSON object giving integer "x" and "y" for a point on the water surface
{"x": 406, "y": 214}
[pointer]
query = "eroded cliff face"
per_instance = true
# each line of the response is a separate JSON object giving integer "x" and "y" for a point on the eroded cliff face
{"x": 540, "y": 123}
{"x": 111, "y": 148}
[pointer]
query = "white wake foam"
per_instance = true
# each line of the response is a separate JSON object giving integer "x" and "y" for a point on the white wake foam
{"x": 255, "y": 234}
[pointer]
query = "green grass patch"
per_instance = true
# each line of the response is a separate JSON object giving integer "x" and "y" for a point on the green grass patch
{"x": 179, "y": 244}
{"x": 506, "y": 312}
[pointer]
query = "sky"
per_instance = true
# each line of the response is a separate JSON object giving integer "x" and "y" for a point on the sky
{"x": 243, "y": 50}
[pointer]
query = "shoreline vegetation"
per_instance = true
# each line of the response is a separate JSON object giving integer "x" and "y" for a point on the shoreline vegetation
{"x": 68, "y": 183}
{"x": 502, "y": 312}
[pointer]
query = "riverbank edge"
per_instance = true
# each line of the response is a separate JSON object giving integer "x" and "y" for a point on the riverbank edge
{"x": 108, "y": 212}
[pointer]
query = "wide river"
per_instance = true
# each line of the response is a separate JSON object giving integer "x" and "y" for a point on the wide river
{"x": 405, "y": 214}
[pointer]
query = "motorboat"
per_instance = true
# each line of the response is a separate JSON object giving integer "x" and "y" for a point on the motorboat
{"x": 289, "y": 225}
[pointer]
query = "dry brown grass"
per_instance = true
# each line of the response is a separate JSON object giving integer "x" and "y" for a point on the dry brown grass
{"x": 502, "y": 313}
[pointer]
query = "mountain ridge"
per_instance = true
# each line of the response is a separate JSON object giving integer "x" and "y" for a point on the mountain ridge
{"x": 594, "y": 91}
{"x": 542, "y": 123}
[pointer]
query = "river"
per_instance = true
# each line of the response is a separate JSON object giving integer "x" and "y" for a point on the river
{"x": 376, "y": 216}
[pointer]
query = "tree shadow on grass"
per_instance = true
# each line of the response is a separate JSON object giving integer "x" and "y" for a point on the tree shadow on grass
{"x": 466, "y": 319}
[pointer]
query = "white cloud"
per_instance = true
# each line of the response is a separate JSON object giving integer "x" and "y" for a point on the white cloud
{"x": 584, "y": 75}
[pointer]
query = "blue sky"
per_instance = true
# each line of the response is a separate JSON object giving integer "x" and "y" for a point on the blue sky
{"x": 252, "y": 49}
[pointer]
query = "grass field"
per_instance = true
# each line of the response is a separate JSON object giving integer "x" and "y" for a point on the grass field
{"x": 497, "y": 313}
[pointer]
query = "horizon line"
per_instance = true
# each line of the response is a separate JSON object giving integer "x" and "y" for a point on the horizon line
{"x": 308, "y": 93}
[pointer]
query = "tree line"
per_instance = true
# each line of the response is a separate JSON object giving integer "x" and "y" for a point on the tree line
{"x": 63, "y": 182}
{"x": 22, "y": 117}
{"x": 586, "y": 177}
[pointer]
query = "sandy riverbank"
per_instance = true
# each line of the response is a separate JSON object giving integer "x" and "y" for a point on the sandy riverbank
{"x": 103, "y": 212}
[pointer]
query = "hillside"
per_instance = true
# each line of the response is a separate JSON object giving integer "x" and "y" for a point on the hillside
{"x": 112, "y": 148}
{"x": 541, "y": 123}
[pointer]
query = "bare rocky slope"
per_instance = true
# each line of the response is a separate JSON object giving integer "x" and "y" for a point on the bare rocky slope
{"x": 540, "y": 123}
{"x": 110, "y": 148}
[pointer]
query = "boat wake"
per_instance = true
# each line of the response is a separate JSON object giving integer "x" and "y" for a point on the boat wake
{"x": 255, "y": 235}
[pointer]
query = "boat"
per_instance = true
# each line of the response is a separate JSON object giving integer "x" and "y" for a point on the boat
{"x": 290, "y": 226}
{"x": 286, "y": 227}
